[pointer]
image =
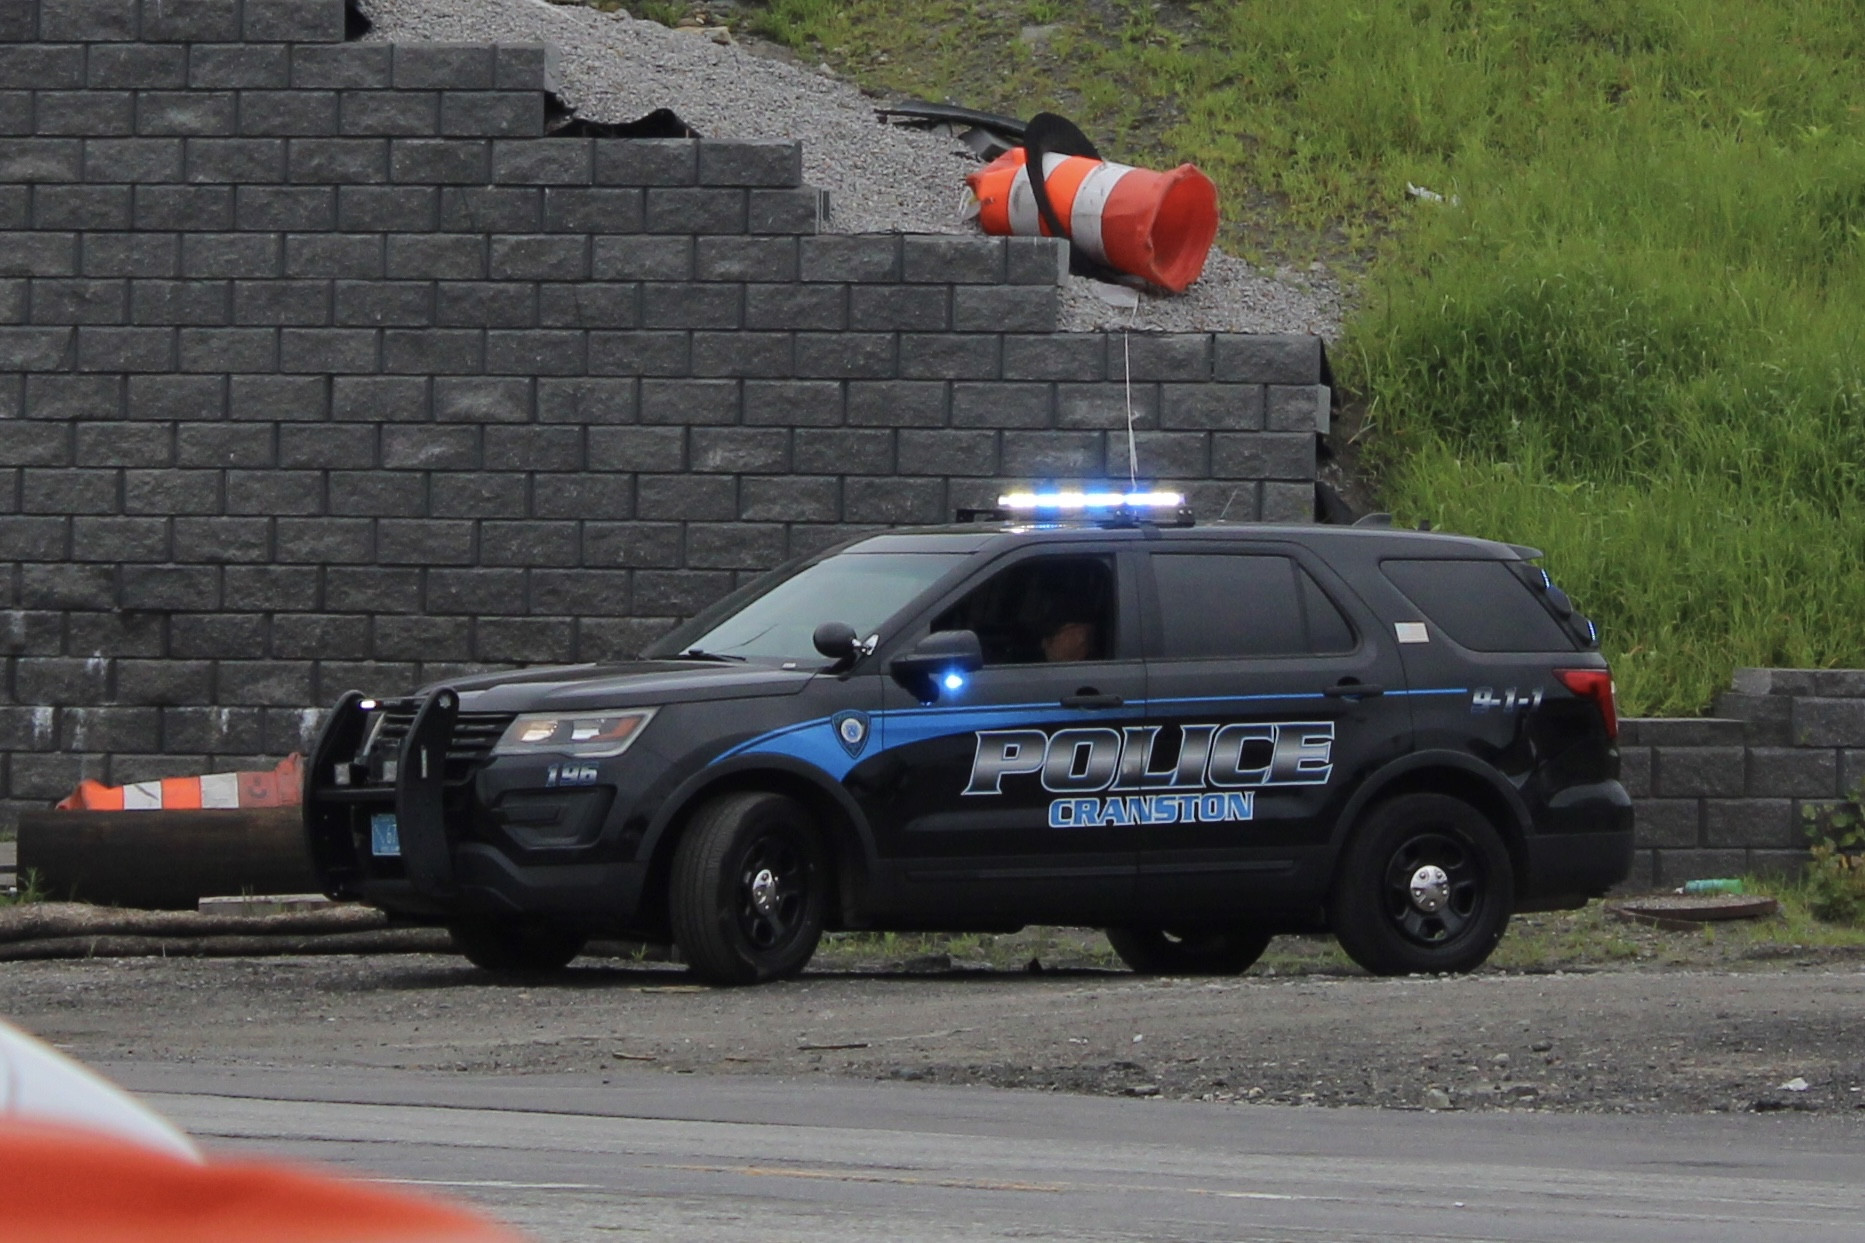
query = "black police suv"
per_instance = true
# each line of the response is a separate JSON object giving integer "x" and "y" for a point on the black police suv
{"x": 1195, "y": 737}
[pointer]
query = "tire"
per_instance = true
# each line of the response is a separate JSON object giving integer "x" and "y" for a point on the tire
{"x": 1191, "y": 951}
{"x": 516, "y": 946}
{"x": 749, "y": 889}
{"x": 1465, "y": 888}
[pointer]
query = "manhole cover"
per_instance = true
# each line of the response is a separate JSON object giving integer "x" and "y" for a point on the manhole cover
{"x": 1691, "y": 910}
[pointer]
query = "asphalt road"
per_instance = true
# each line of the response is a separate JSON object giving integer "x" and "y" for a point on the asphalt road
{"x": 652, "y": 1155}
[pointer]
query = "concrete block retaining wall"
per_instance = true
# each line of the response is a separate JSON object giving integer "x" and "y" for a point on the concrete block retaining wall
{"x": 1723, "y": 795}
{"x": 321, "y": 366}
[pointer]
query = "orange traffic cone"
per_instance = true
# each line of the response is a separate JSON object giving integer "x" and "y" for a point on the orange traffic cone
{"x": 281, "y": 787}
{"x": 1157, "y": 226}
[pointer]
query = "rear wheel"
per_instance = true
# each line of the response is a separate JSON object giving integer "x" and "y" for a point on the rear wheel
{"x": 749, "y": 889}
{"x": 1189, "y": 951}
{"x": 516, "y": 946}
{"x": 1425, "y": 887}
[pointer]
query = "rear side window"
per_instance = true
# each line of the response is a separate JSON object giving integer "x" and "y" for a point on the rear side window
{"x": 1481, "y": 605}
{"x": 1230, "y": 605}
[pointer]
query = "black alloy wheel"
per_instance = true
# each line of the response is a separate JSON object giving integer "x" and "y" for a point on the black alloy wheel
{"x": 1191, "y": 951}
{"x": 749, "y": 889}
{"x": 1425, "y": 886}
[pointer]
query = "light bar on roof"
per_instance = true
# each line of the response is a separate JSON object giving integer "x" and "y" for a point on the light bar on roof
{"x": 1070, "y": 502}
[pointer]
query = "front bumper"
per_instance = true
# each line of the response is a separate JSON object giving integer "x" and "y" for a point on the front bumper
{"x": 424, "y": 762}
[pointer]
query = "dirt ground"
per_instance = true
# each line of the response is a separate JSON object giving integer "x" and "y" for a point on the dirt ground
{"x": 1640, "y": 1037}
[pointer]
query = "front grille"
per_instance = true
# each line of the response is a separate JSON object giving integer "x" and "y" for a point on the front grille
{"x": 474, "y": 735}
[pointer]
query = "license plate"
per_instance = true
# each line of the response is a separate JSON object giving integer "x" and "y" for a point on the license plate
{"x": 384, "y": 835}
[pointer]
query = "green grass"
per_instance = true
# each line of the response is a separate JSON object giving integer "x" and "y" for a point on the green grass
{"x": 1633, "y": 339}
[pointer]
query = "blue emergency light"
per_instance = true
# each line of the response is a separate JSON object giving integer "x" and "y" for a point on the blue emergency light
{"x": 1107, "y": 507}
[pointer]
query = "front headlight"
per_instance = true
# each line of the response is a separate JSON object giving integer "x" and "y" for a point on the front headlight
{"x": 584, "y": 735}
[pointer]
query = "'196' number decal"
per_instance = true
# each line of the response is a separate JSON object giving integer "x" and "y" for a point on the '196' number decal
{"x": 1510, "y": 700}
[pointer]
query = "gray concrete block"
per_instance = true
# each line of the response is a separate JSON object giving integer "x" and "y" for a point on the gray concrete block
{"x": 767, "y": 355}
{"x": 330, "y": 351}
{"x": 1767, "y": 720}
{"x": 540, "y": 258}
{"x": 735, "y": 545}
{"x": 1752, "y": 823}
{"x": 265, "y": 683}
{"x": 486, "y": 304}
{"x": 793, "y": 403}
{"x": 169, "y": 588}
{"x": 266, "y": 493}
{"x": 38, "y": 538}
{"x": 739, "y": 450}
{"x": 679, "y": 592}
{"x": 1290, "y": 501}
{"x": 637, "y": 544}
{"x": 837, "y": 450}
{"x": 743, "y": 258}
{"x": 588, "y": 305}
{"x": 223, "y": 540}
{"x": 370, "y": 589}
{"x": 88, "y": 21}
{"x": 423, "y": 638}
{"x": 800, "y": 308}
{"x": 1054, "y": 455}
{"x": 218, "y": 445}
{"x": 488, "y": 400}
{"x": 1005, "y": 308}
{"x": 1080, "y": 357}
{"x": 1793, "y": 772}
{"x": 103, "y": 444}
{"x": 339, "y": 161}
{"x": 136, "y": 66}
{"x": 850, "y": 355}
{"x": 49, "y": 349}
{"x": 236, "y": 66}
{"x": 227, "y": 350}
{"x": 1180, "y": 358}
{"x": 605, "y": 593}
{"x": 41, "y": 159}
{"x": 529, "y": 543}
{"x": 544, "y": 162}
{"x": 133, "y": 159}
{"x": 640, "y": 353}
{"x": 1635, "y": 770}
{"x": 312, "y": 636}
{"x": 492, "y": 114}
{"x": 1267, "y": 358}
{"x": 388, "y": 209}
{"x": 400, "y": 114}
{"x": 1294, "y": 408}
{"x": 1679, "y": 732}
{"x": 168, "y": 493}
{"x": 125, "y": 349}
{"x": 100, "y": 114}
{"x": 667, "y": 305}
{"x": 334, "y": 540}
{"x": 91, "y": 587}
{"x": 446, "y": 66}
{"x": 317, "y": 446}
{"x": 176, "y": 397}
{"x": 693, "y": 210}
{"x": 345, "y": 66}
{"x": 595, "y": 402}
{"x": 109, "y": 729}
{"x": 535, "y": 352}
{"x": 429, "y": 447}
{"x": 123, "y": 540}
{"x": 301, "y": 398}
{"x": 185, "y": 207}
{"x": 488, "y": 209}
{"x": 642, "y": 258}
{"x": 439, "y": 257}
{"x": 690, "y": 402}
{"x": 1106, "y": 405}
{"x": 891, "y": 500}
{"x": 800, "y": 212}
{"x": 233, "y": 256}
{"x": 292, "y": 21}
{"x": 384, "y": 303}
{"x": 39, "y": 254}
{"x": 1715, "y": 772}
{"x": 950, "y": 356}
{"x": 429, "y": 542}
{"x": 479, "y": 494}
{"x": 440, "y": 161}
{"x": 68, "y": 491}
{"x": 851, "y": 258}
{"x": 1819, "y": 722}
{"x": 165, "y": 682}
{"x": 187, "y": 113}
{"x": 79, "y": 302}
{"x": 1036, "y": 261}
{"x": 691, "y": 498}
{"x": 897, "y": 403}
{"x": 952, "y": 260}
{"x": 524, "y": 639}
{"x": 947, "y": 452}
{"x": 38, "y": 444}
{"x": 1839, "y": 683}
{"x": 576, "y": 209}
{"x": 288, "y": 113}
{"x": 234, "y": 160}
{"x": 299, "y": 209}
{"x": 19, "y": 21}
{"x": 631, "y": 449}
{"x": 527, "y": 67}
{"x": 646, "y": 162}
{"x": 763, "y": 164}
{"x": 1263, "y": 455}
{"x": 535, "y": 448}
{"x": 383, "y": 399}
{"x": 39, "y": 66}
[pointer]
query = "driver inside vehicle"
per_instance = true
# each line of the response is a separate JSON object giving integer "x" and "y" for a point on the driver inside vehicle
{"x": 1069, "y": 641}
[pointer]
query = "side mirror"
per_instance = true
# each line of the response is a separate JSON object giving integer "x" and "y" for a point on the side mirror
{"x": 836, "y": 640}
{"x": 941, "y": 655}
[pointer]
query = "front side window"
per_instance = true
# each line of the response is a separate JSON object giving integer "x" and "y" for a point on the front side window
{"x": 1057, "y": 610}
{"x": 861, "y": 589}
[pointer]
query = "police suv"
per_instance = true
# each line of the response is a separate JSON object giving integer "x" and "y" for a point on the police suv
{"x": 1078, "y": 709}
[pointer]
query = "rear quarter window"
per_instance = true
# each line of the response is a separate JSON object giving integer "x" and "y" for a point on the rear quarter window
{"x": 1481, "y": 605}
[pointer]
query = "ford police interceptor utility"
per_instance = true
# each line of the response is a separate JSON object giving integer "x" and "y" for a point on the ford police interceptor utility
{"x": 1080, "y": 709}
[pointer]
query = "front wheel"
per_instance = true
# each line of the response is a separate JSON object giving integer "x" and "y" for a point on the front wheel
{"x": 516, "y": 946}
{"x": 1190, "y": 951}
{"x": 1425, "y": 887}
{"x": 749, "y": 889}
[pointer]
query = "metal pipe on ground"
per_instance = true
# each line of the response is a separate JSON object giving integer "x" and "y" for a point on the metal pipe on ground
{"x": 164, "y": 860}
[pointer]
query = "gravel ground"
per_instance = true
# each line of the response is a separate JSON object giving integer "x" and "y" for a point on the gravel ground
{"x": 880, "y": 178}
{"x": 1643, "y": 1041}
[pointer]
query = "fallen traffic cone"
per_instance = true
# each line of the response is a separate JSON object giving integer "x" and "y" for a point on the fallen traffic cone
{"x": 281, "y": 787}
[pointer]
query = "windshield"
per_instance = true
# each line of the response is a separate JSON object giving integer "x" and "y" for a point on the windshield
{"x": 861, "y": 589}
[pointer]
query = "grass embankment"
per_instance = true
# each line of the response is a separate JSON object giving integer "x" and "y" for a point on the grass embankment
{"x": 1633, "y": 339}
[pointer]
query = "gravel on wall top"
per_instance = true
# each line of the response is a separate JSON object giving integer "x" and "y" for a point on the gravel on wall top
{"x": 880, "y": 178}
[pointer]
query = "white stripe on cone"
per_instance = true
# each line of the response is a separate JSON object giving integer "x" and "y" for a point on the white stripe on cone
{"x": 220, "y": 790}
{"x": 1084, "y": 223}
{"x": 143, "y": 796}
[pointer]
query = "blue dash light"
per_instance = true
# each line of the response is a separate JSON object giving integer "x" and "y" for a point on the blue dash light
{"x": 954, "y": 682}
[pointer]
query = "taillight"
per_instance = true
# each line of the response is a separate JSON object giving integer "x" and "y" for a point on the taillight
{"x": 1594, "y": 684}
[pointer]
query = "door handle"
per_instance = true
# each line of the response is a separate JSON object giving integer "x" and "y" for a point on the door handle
{"x": 1088, "y": 697}
{"x": 1353, "y": 690}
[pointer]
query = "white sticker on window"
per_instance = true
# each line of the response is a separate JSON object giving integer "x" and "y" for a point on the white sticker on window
{"x": 1412, "y": 632}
